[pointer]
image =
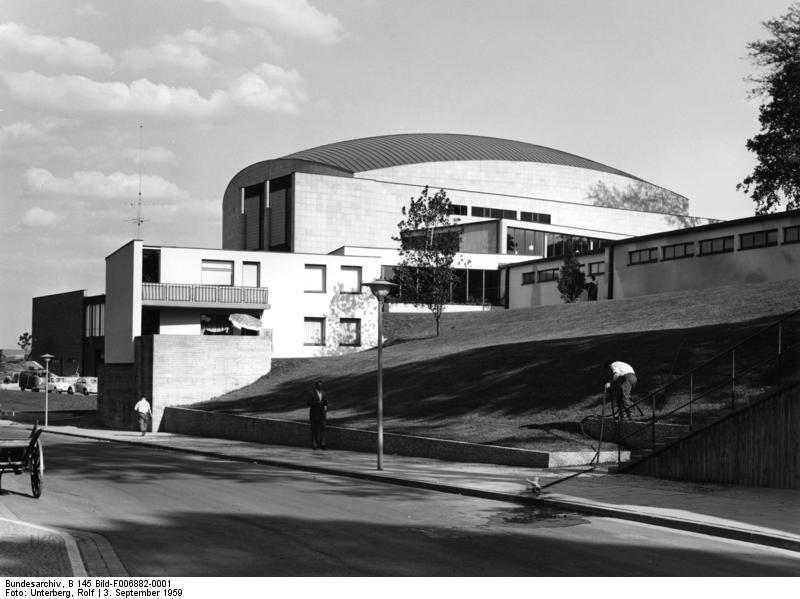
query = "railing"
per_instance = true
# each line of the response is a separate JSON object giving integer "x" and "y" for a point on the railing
{"x": 206, "y": 294}
{"x": 765, "y": 359}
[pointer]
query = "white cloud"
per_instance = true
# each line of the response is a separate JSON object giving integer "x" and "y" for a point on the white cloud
{"x": 167, "y": 53}
{"x": 94, "y": 185}
{"x": 270, "y": 85}
{"x": 38, "y": 217}
{"x": 295, "y": 17}
{"x": 268, "y": 88}
{"x": 53, "y": 50}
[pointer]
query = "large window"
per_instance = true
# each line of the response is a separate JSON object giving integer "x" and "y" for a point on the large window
{"x": 253, "y": 210}
{"x": 597, "y": 268}
{"x": 643, "y": 256}
{"x": 217, "y": 272}
{"x": 551, "y": 274}
{"x": 528, "y": 278}
{"x": 716, "y": 246}
{"x": 677, "y": 251}
{"x": 151, "y": 265}
{"x": 315, "y": 278}
{"x": 350, "y": 331}
{"x": 251, "y": 274}
{"x": 313, "y": 331}
{"x": 758, "y": 239}
{"x": 94, "y": 320}
{"x": 351, "y": 279}
{"x": 791, "y": 234}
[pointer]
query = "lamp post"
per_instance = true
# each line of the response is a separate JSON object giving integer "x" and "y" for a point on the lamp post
{"x": 47, "y": 358}
{"x": 380, "y": 289}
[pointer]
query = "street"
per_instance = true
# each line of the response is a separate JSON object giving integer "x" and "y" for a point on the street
{"x": 173, "y": 514}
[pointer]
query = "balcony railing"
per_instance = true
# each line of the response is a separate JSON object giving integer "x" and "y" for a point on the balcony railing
{"x": 182, "y": 293}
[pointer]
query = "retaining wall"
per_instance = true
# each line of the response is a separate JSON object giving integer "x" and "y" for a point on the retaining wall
{"x": 283, "y": 432}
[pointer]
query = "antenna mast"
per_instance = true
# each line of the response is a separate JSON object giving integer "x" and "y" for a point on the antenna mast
{"x": 139, "y": 220}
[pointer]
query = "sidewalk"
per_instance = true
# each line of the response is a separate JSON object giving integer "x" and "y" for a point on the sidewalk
{"x": 759, "y": 515}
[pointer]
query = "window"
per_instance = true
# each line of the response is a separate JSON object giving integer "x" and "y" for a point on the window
{"x": 597, "y": 268}
{"x": 458, "y": 210}
{"x": 217, "y": 272}
{"x": 548, "y": 275}
{"x": 94, "y": 320}
{"x": 251, "y": 275}
{"x": 151, "y": 265}
{"x": 351, "y": 279}
{"x": 313, "y": 331}
{"x": 643, "y": 256}
{"x": 528, "y": 278}
{"x": 315, "y": 278}
{"x": 791, "y": 234}
{"x": 758, "y": 239}
{"x": 535, "y": 217}
{"x": 716, "y": 246}
{"x": 677, "y": 251}
{"x": 494, "y": 213}
{"x": 351, "y": 331}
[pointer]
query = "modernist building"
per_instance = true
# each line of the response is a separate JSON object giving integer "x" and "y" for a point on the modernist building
{"x": 301, "y": 233}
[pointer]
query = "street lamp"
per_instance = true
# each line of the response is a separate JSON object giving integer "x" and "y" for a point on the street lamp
{"x": 380, "y": 289}
{"x": 47, "y": 358}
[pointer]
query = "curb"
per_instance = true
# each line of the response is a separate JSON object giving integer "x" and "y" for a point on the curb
{"x": 574, "y": 504}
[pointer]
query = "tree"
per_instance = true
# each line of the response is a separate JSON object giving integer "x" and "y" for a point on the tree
{"x": 25, "y": 341}
{"x": 430, "y": 238}
{"x": 776, "y": 177}
{"x": 646, "y": 197}
{"x": 571, "y": 280}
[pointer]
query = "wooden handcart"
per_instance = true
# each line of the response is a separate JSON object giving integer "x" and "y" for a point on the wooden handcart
{"x": 19, "y": 455}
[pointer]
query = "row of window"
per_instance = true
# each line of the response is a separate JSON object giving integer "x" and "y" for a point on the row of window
{"x": 480, "y": 211}
{"x": 348, "y": 334}
{"x": 551, "y": 274}
{"x": 716, "y": 245}
{"x": 527, "y": 242}
{"x": 316, "y": 279}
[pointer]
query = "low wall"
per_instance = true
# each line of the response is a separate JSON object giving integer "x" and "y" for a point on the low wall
{"x": 757, "y": 446}
{"x": 283, "y": 432}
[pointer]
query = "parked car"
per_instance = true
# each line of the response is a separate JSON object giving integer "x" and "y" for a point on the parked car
{"x": 35, "y": 380}
{"x": 86, "y": 385}
{"x": 62, "y": 384}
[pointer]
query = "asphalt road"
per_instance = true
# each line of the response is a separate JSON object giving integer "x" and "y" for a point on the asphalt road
{"x": 172, "y": 514}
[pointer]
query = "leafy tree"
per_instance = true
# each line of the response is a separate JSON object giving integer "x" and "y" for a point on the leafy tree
{"x": 644, "y": 196}
{"x": 571, "y": 280}
{"x": 430, "y": 238}
{"x": 776, "y": 177}
{"x": 25, "y": 341}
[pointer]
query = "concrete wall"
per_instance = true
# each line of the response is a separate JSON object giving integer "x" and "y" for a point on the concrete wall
{"x": 123, "y": 302}
{"x": 757, "y": 446}
{"x": 702, "y": 272}
{"x": 525, "y": 295}
{"x": 282, "y": 432}
{"x": 57, "y": 329}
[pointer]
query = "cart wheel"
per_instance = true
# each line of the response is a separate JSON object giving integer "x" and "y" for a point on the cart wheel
{"x": 37, "y": 470}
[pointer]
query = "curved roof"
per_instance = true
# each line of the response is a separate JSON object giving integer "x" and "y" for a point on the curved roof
{"x": 369, "y": 153}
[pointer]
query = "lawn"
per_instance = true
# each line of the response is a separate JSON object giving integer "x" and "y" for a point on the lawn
{"x": 519, "y": 378}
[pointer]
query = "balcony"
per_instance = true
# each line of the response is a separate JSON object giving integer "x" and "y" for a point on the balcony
{"x": 204, "y": 296}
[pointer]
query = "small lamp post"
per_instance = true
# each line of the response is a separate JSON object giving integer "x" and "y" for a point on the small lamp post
{"x": 380, "y": 289}
{"x": 46, "y": 358}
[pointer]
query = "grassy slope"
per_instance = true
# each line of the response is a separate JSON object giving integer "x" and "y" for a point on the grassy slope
{"x": 521, "y": 378}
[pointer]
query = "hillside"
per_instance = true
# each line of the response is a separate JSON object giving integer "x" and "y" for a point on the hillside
{"x": 521, "y": 378}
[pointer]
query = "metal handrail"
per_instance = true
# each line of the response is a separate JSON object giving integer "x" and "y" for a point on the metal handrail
{"x": 782, "y": 350}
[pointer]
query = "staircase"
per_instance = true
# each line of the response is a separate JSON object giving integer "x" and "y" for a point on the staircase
{"x": 713, "y": 391}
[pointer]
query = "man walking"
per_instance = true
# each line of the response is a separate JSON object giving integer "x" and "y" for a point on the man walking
{"x": 623, "y": 380}
{"x": 142, "y": 409}
{"x": 317, "y": 414}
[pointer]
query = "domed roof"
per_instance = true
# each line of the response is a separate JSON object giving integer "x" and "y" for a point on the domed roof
{"x": 370, "y": 153}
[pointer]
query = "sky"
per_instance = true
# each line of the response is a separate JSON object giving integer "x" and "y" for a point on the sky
{"x": 106, "y": 101}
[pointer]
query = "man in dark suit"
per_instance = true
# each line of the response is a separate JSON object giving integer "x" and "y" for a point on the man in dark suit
{"x": 317, "y": 414}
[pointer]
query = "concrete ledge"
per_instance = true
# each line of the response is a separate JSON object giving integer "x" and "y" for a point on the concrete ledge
{"x": 201, "y": 423}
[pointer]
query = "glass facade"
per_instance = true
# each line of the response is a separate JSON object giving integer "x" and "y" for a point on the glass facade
{"x": 527, "y": 242}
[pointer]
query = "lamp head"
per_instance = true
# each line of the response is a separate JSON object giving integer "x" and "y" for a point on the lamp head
{"x": 380, "y": 288}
